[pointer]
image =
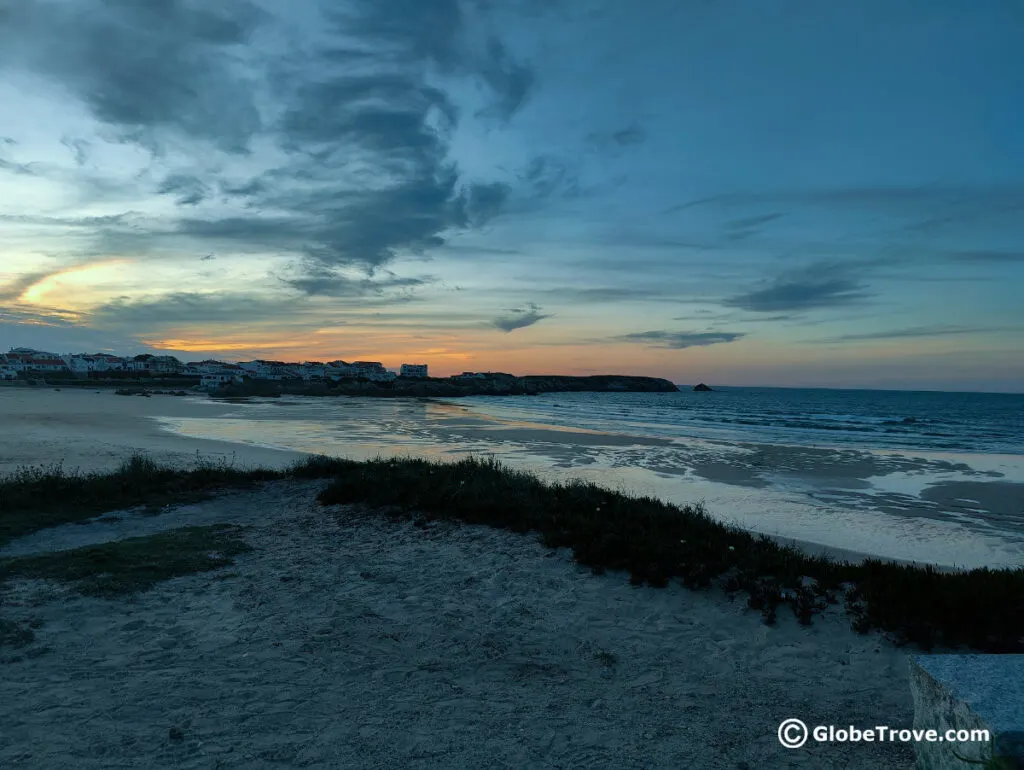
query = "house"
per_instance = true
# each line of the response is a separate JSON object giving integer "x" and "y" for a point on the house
{"x": 13, "y": 362}
{"x": 271, "y": 370}
{"x": 8, "y": 372}
{"x": 413, "y": 370}
{"x": 28, "y": 359}
{"x": 214, "y": 381}
{"x": 467, "y": 377}
{"x": 105, "y": 362}
{"x": 79, "y": 364}
{"x": 208, "y": 366}
{"x": 372, "y": 370}
{"x": 40, "y": 364}
{"x": 314, "y": 370}
{"x": 140, "y": 363}
{"x": 164, "y": 365}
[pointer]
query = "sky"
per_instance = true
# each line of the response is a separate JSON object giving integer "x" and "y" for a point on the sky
{"x": 794, "y": 193}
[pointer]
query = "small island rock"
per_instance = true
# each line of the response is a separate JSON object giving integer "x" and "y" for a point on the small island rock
{"x": 701, "y": 388}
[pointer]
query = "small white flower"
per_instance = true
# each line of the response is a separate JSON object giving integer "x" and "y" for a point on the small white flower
{"x": 732, "y": 548}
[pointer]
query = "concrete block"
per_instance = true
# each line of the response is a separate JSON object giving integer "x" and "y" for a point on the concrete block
{"x": 969, "y": 692}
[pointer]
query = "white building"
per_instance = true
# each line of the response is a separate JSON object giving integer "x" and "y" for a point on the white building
{"x": 213, "y": 381}
{"x": 39, "y": 364}
{"x": 164, "y": 365}
{"x": 467, "y": 377}
{"x": 8, "y": 372}
{"x": 371, "y": 370}
{"x": 413, "y": 370}
{"x": 270, "y": 370}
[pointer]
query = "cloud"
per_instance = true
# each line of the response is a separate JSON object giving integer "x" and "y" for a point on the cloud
{"x": 318, "y": 281}
{"x": 911, "y": 333}
{"x": 510, "y": 81}
{"x": 680, "y": 340}
{"x": 631, "y": 134}
{"x": 816, "y": 286}
{"x": 368, "y": 176}
{"x": 13, "y": 291}
{"x": 189, "y": 189}
{"x": 142, "y": 67}
{"x": 989, "y": 256}
{"x": 519, "y": 318}
{"x": 20, "y": 169}
{"x": 747, "y": 223}
{"x": 188, "y": 307}
{"x": 607, "y": 294}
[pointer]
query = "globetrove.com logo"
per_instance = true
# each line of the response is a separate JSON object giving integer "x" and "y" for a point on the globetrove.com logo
{"x": 794, "y": 733}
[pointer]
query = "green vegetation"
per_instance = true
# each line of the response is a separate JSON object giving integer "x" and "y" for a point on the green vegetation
{"x": 136, "y": 564}
{"x": 32, "y": 499}
{"x": 656, "y": 543}
{"x": 36, "y": 498}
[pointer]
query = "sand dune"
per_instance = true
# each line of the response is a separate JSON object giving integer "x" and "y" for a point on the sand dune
{"x": 345, "y": 640}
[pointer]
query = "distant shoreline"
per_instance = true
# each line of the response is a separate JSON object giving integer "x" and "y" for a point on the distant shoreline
{"x": 488, "y": 385}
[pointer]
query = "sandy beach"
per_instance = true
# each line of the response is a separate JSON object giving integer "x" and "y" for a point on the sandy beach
{"x": 947, "y": 510}
{"x": 347, "y": 640}
{"x": 96, "y": 430}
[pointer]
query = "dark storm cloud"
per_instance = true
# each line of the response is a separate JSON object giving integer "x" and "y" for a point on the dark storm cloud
{"x": 519, "y": 318}
{"x": 823, "y": 285}
{"x": 680, "y": 340}
{"x": 142, "y": 66}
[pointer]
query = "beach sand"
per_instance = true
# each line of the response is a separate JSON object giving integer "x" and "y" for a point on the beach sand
{"x": 348, "y": 640}
{"x": 96, "y": 430}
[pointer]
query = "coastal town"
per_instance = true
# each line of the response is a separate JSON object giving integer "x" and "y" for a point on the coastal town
{"x": 28, "y": 366}
{"x": 23, "y": 363}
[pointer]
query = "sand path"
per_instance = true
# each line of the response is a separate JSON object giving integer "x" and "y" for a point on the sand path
{"x": 346, "y": 640}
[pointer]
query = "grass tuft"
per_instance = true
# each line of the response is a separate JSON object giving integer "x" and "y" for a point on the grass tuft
{"x": 35, "y": 498}
{"x": 133, "y": 565}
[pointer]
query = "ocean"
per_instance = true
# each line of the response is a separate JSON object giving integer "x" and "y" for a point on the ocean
{"x": 919, "y": 476}
{"x": 867, "y": 419}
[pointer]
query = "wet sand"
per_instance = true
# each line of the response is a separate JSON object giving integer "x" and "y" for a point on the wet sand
{"x": 94, "y": 431}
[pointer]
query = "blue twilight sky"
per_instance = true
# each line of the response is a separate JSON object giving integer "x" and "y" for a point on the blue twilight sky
{"x": 786, "y": 193}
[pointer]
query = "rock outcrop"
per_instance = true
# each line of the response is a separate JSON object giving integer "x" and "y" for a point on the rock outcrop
{"x": 491, "y": 384}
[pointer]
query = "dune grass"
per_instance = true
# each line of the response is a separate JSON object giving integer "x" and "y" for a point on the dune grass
{"x": 135, "y": 564}
{"x": 654, "y": 542}
{"x": 35, "y": 498}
